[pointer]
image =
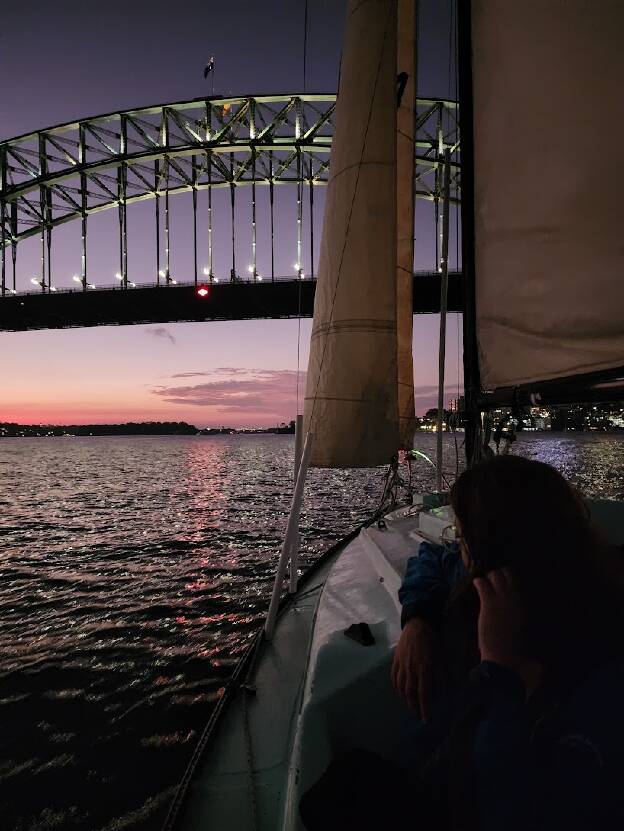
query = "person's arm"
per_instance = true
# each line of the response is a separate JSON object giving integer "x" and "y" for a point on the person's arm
{"x": 426, "y": 586}
{"x": 563, "y": 776}
{"x": 505, "y": 779}
{"x": 428, "y": 581}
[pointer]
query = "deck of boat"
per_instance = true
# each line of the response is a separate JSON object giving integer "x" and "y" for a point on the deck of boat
{"x": 314, "y": 691}
{"x": 251, "y": 774}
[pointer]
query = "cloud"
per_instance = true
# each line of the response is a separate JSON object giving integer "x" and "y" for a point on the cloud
{"x": 259, "y": 394}
{"x": 161, "y": 332}
{"x": 426, "y": 396}
{"x": 227, "y": 370}
{"x": 232, "y": 391}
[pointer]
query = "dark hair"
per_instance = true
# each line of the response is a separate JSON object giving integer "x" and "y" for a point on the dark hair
{"x": 524, "y": 515}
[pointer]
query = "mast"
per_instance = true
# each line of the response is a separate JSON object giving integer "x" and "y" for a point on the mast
{"x": 407, "y": 31}
{"x": 472, "y": 379}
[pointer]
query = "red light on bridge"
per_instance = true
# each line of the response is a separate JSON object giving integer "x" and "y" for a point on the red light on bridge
{"x": 202, "y": 291}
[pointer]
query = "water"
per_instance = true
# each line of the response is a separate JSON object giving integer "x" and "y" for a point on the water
{"x": 133, "y": 573}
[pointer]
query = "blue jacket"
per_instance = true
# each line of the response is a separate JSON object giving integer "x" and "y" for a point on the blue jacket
{"x": 428, "y": 581}
{"x": 553, "y": 762}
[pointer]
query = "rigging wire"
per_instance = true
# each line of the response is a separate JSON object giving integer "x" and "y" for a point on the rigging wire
{"x": 305, "y": 43}
{"x": 299, "y": 198}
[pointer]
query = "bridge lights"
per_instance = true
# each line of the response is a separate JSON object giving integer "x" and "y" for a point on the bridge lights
{"x": 252, "y": 270}
{"x": 202, "y": 291}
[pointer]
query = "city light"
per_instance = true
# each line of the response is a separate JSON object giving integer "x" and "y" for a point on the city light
{"x": 174, "y": 282}
{"x": 250, "y": 269}
{"x": 205, "y": 270}
{"x": 216, "y": 279}
{"x": 118, "y": 276}
{"x": 133, "y": 285}
{"x": 34, "y": 281}
{"x": 161, "y": 273}
{"x": 259, "y": 277}
{"x": 76, "y": 279}
{"x": 52, "y": 288}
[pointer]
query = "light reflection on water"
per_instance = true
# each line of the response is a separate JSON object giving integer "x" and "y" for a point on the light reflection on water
{"x": 134, "y": 571}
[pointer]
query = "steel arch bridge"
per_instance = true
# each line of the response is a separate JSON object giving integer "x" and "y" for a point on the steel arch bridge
{"x": 73, "y": 171}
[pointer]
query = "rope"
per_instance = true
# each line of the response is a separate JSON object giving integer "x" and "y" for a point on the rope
{"x": 357, "y": 179}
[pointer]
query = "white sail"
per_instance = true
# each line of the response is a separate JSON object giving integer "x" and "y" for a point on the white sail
{"x": 548, "y": 114}
{"x": 352, "y": 403}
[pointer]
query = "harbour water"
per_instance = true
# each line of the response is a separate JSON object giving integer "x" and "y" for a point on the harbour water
{"x": 133, "y": 573}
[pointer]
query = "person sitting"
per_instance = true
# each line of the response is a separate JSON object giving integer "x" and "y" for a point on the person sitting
{"x": 512, "y": 651}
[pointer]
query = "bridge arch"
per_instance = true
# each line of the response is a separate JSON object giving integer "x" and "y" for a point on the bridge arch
{"x": 74, "y": 170}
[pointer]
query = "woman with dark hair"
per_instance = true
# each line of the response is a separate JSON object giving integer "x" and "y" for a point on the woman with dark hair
{"x": 529, "y": 608}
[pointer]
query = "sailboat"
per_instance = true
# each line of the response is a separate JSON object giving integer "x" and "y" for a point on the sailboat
{"x": 542, "y": 263}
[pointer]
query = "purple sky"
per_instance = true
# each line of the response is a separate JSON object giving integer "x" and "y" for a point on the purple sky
{"x": 65, "y": 60}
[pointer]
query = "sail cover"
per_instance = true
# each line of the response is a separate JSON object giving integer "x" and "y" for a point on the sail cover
{"x": 351, "y": 402}
{"x": 548, "y": 116}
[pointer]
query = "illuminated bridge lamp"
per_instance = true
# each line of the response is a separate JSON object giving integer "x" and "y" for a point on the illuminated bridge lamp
{"x": 202, "y": 291}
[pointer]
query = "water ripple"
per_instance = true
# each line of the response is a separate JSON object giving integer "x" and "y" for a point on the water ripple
{"x": 134, "y": 572}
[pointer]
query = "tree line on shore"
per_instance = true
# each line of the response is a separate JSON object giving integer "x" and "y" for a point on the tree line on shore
{"x": 143, "y": 428}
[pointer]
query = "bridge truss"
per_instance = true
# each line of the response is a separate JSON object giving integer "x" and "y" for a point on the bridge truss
{"x": 72, "y": 171}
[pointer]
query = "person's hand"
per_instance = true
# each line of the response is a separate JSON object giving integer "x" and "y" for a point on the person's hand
{"x": 412, "y": 668}
{"x": 501, "y": 621}
{"x": 501, "y": 618}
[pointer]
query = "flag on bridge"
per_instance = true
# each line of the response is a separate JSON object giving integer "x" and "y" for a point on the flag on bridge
{"x": 209, "y": 67}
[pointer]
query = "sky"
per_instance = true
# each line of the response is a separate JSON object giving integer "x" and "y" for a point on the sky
{"x": 65, "y": 60}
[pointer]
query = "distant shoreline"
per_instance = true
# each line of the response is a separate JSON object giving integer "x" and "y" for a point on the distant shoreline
{"x": 146, "y": 428}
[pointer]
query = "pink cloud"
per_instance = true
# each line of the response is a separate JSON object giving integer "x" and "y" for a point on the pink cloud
{"x": 267, "y": 394}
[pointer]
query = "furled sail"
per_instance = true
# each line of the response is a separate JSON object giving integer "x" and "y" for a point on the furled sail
{"x": 548, "y": 114}
{"x": 353, "y": 405}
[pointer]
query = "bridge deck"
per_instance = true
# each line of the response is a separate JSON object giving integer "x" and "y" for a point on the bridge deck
{"x": 226, "y": 301}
